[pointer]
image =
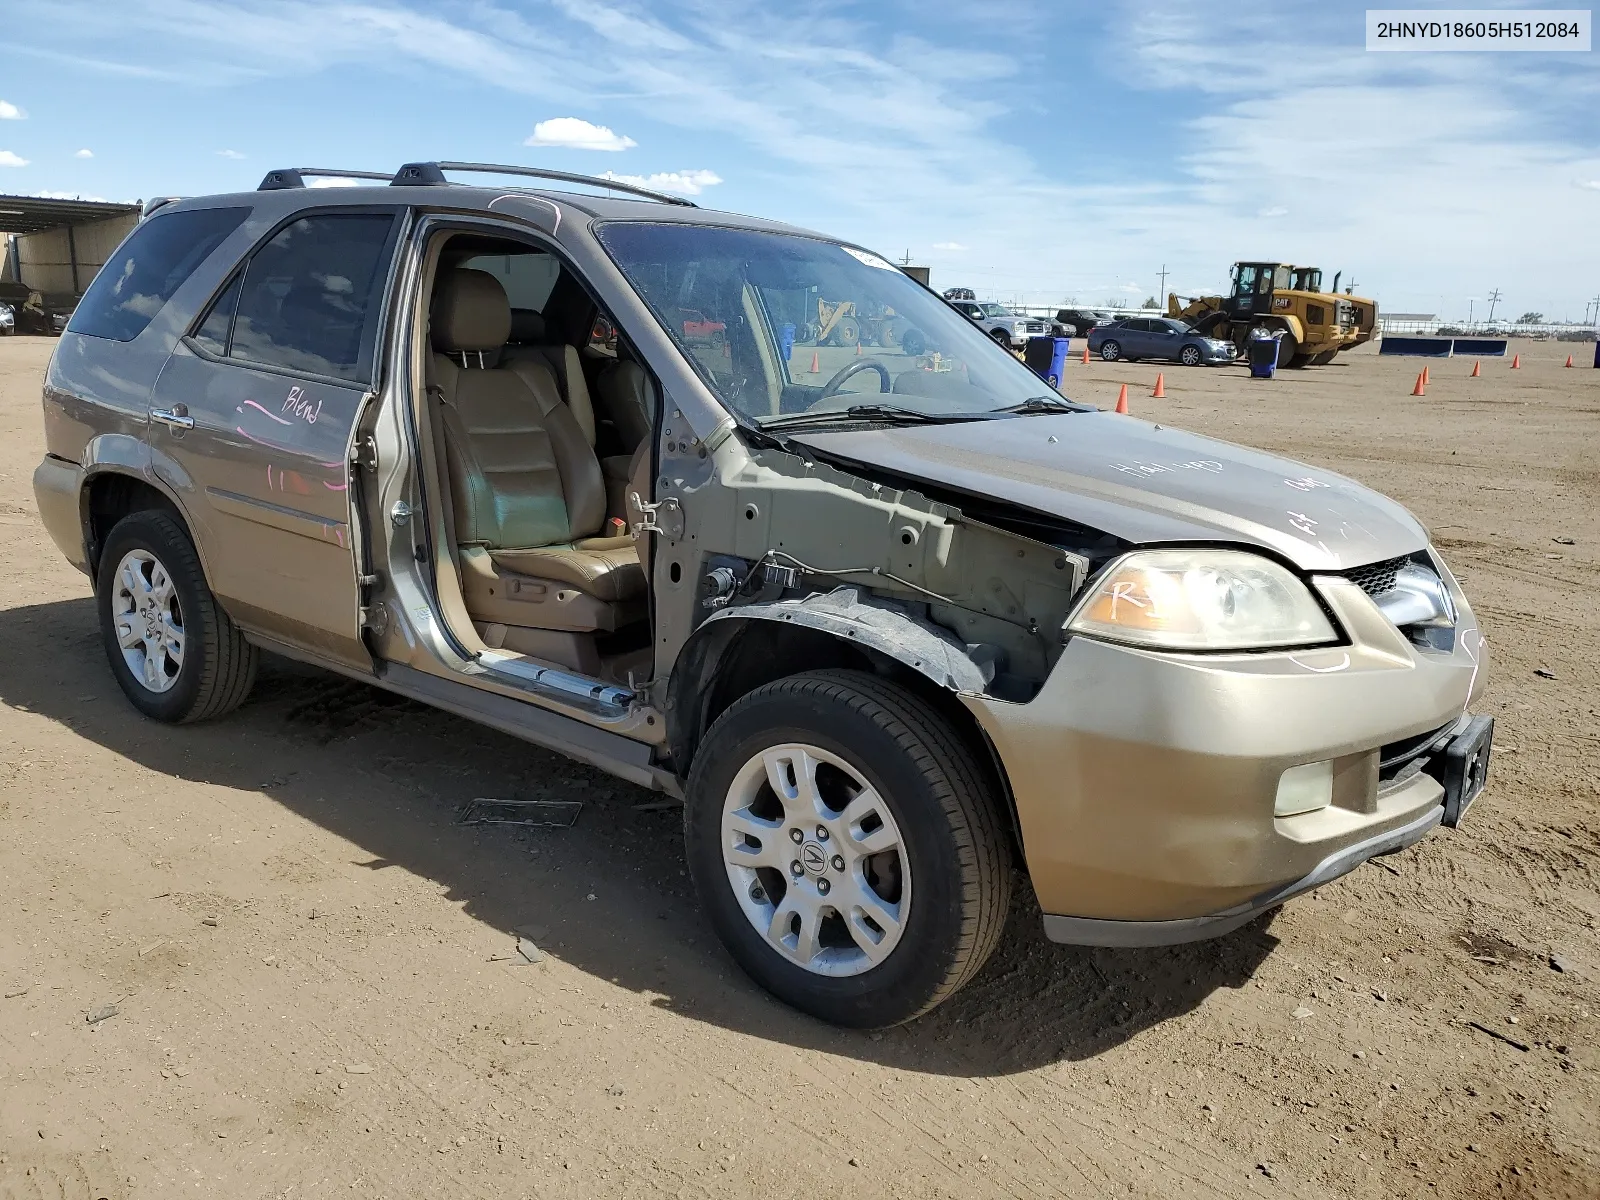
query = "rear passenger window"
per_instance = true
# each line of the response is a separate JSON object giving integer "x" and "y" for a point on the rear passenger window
{"x": 308, "y": 300}
{"x": 141, "y": 276}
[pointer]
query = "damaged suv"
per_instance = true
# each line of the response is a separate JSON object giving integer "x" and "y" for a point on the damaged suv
{"x": 893, "y": 625}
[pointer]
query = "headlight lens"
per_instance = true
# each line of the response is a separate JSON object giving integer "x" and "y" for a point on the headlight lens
{"x": 1201, "y": 600}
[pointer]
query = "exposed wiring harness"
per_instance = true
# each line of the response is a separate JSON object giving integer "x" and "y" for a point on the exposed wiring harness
{"x": 879, "y": 572}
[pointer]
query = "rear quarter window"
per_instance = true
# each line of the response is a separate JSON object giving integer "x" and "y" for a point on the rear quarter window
{"x": 139, "y": 279}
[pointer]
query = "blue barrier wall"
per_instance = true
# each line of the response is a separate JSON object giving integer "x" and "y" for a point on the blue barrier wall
{"x": 1423, "y": 347}
{"x": 1436, "y": 347}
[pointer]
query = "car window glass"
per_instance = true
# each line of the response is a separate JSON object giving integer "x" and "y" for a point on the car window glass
{"x": 308, "y": 301}
{"x": 527, "y": 278}
{"x": 213, "y": 332}
{"x": 147, "y": 268}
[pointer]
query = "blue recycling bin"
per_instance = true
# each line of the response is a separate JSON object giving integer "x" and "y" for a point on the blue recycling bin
{"x": 1047, "y": 358}
{"x": 1262, "y": 353}
{"x": 786, "y": 339}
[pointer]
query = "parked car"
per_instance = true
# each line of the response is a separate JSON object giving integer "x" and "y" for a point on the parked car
{"x": 959, "y": 293}
{"x": 33, "y": 311}
{"x": 890, "y": 633}
{"x": 1134, "y": 338}
{"x": 1011, "y": 329}
{"x": 1077, "y": 322}
{"x": 8, "y": 319}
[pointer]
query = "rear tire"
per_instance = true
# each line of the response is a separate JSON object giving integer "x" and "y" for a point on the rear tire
{"x": 948, "y": 876}
{"x": 1110, "y": 351}
{"x": 174, "y": 651}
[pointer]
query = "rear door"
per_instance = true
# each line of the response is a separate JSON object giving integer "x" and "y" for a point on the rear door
{"x": 255, "y": 412}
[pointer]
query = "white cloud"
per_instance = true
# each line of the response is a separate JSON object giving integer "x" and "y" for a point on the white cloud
{"x": 84, "y": 153}
{"x": 1276, "y": 210}
{"x": 229, "y": 154}
{"x": 10, "y": 112}
{"x": 336, "y": 181}
{"x": 948, "y": 246}
{"x": 574, "y": 133}
{"x": 9, "y": 159}
{"x": 69, "y": 196}
{"x": 1131, "y": 287}
{"x": 1592, "y": 184}
{"x": 680, "y": 183}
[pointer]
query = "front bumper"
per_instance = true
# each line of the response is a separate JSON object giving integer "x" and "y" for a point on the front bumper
{"x": 1144, "y": 783}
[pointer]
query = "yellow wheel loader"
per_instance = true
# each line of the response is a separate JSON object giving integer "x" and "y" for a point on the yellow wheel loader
{"x": 1277, "y": 297}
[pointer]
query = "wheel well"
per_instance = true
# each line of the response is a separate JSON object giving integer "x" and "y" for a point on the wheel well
{"x": 739, "y": 656}
{"x": 110, "y": 497}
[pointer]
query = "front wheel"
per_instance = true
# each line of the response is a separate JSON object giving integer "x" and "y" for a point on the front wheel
{"x": 1003, "y": 336}
{"x": 1110, "y": 351}
{"x": 1190, "y": 356}
{"x": 174, "y": 652}
{"x": 847, "y": 847}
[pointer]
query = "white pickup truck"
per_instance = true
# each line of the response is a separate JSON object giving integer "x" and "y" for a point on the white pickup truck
{"x": 1010, "y": 329}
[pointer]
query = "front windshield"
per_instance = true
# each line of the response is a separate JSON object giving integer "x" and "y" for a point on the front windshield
{"x": 996, "y": 310}
{"x": 779, "y": 323}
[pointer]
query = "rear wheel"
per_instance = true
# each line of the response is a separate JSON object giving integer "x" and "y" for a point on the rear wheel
{"x": 1110, "y": 350}
{"x": 847, "y": 847}
{"x": 174, "y": 652}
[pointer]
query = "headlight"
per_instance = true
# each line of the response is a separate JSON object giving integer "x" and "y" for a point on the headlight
{"x": 1200, "y": 600}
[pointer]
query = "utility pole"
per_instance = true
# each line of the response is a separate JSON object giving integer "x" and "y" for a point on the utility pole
{"x": 906, "y": 261}
{"x": 1596, "y": 303}
{"x": 1494, "y": 298}
{"x": 1161, "y": 296}
{"x": 1471, "y": 304}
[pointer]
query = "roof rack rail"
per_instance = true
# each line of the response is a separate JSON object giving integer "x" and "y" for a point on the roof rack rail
{"x": 294, "y": 177}
{"x": 431, "y": 174}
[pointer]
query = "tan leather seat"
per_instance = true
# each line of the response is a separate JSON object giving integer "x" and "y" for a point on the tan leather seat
{"x": 526, "y": 489}
{"x": 528, "y": 342}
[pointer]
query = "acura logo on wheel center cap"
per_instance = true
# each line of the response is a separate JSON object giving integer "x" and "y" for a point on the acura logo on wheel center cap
{"x": 814, "y": 858}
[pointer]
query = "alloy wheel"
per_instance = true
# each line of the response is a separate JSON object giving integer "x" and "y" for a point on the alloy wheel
{"x": 148, "y": 620}
{"x": 816, "y": 860}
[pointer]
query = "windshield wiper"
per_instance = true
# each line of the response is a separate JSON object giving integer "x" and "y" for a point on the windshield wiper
{"x": 1044, "y": 404}
{"x": 877, "y": 413}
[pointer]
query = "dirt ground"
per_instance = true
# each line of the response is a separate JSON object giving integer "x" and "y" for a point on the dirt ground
{"x": 316, "y": 991}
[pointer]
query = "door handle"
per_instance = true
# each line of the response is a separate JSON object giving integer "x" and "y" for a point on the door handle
{"x": 176, "y": 417}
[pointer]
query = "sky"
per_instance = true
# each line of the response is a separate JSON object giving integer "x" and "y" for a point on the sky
{"x": 1039, "y": 152}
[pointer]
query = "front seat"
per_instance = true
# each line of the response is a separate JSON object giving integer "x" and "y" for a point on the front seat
{"x": 526, "y": 490}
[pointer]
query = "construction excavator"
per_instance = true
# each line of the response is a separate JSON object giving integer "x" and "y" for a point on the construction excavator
{"x": 1278, "y": 298}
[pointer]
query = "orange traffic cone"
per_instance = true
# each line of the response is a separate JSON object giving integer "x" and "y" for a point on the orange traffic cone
{"x": 1424, "y": 374}
{"x": 1422, "y": 384}
{"x": 1086, "y": 354}
{"x": 1122, "y": 399}
{"x": 858, "y": 349}
{"x": 1161, "y": 385}
{"x": 816, "y": 368}
{"x": 1516, "y": 362}
{"x": 1569, "y": 360}
{"x": 1476, "y": 369}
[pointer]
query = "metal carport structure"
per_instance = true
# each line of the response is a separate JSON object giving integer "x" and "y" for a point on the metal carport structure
{"x": 32, "y": 216}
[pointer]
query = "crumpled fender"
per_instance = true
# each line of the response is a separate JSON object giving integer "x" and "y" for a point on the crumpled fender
{"x": 882, "y": 625}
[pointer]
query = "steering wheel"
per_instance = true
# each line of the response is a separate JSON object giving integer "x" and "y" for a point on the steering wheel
{"x": 861, "y": 364}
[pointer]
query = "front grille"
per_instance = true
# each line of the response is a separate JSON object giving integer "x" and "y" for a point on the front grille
{"x": 1377, "y": 578}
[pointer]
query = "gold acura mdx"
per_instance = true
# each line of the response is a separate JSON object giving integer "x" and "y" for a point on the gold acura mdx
{"x": 746, "y": 515}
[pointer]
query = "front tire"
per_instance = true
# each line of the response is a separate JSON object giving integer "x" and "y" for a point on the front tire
{"x": 1190, "y": 356}
{"x": 847, "y": 847}
{"x": 175, "y": 654}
